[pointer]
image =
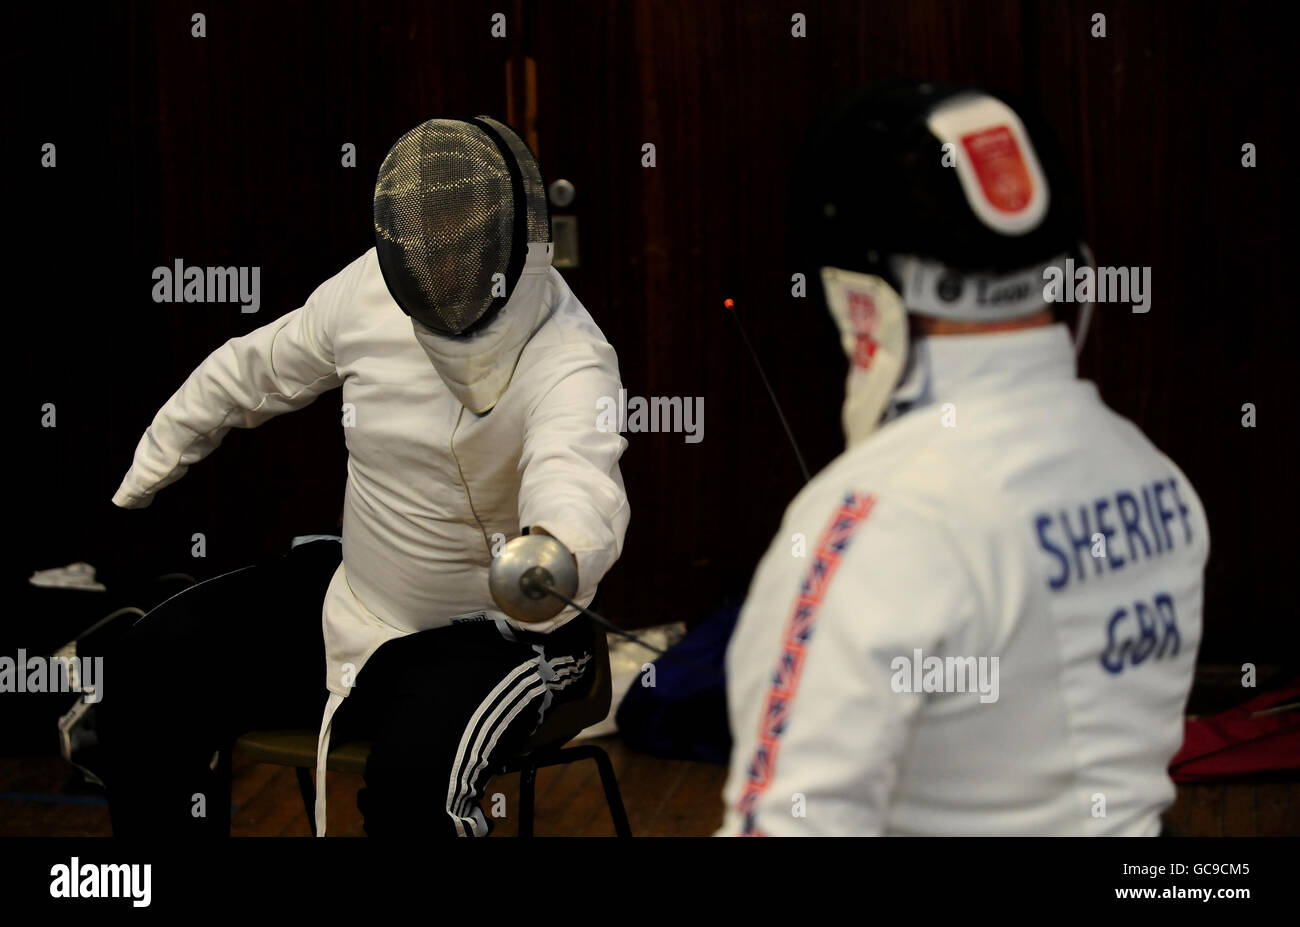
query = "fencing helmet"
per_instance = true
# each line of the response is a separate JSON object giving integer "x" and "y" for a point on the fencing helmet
{"x": 938, "y": 200}
{"x": 460, "y": 216}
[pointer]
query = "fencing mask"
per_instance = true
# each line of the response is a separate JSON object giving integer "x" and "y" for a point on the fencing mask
{"x": 943, "y": 201}
{"x": 457, "y": 203}
{"x": 460, "y": 216}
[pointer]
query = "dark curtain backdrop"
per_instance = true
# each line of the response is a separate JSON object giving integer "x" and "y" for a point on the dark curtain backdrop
{"x": 227, "y": 150}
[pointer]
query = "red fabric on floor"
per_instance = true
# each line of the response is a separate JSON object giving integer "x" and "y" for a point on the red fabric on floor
{"x": 1242, "y": 740}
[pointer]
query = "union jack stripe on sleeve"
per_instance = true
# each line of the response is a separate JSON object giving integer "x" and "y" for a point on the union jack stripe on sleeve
{"x": 798, "y": 632}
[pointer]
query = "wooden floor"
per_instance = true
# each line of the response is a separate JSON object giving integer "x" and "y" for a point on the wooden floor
{"x": 662, "y": 797}
{"x": 44, "y": 796}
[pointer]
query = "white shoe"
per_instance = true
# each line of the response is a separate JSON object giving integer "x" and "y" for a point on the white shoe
{"x": 72, "y": 576}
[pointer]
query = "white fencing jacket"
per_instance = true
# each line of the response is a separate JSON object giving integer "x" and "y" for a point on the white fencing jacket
{"x": 432, "y": 487}
{"x": 1010, "y": 517}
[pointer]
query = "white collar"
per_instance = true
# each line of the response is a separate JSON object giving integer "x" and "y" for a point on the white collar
{"x": 944, "y": 367}
{"x": 478, "y": 368}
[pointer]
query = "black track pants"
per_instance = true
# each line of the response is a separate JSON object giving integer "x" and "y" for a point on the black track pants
{"x": 244, "y": 651}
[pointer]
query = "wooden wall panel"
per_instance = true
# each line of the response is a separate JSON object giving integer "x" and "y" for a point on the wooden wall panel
{"x": 227, "y": 150}
{"x": 1152, "y": 117}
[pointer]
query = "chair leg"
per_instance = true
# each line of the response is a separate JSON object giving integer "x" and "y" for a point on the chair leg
{"x": 613, "y": 797}
{"x": 612, "y": 794}
{"x": 307, "y": 786}
{"x": 527, "y": 781}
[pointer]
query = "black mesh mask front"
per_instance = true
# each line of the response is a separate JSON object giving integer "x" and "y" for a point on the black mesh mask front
{"x": 456, "y": 205}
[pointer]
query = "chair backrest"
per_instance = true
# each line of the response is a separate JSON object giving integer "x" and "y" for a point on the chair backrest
{"x": 565, "y": 721}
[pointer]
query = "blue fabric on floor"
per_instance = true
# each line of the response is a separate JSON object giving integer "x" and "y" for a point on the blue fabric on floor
{"x": 684, "y": 714}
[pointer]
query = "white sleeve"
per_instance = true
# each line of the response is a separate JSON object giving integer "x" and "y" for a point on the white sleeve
{"x": 279, "y": 367}
{"x": 570, "y": 483}
{"x": 819, "y": 731}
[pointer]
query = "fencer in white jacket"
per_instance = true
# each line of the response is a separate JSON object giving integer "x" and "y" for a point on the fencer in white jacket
{"x": 964, "y": 530}
{"x": 983, "y": 617}
{"x": 453, "y": 446}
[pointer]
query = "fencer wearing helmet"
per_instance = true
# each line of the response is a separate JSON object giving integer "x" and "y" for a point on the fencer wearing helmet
{"x": 470, "y": 376}
{"x": 995, "y": 626}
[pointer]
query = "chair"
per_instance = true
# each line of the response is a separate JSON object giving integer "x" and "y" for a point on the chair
{"x": 544, "y": 748}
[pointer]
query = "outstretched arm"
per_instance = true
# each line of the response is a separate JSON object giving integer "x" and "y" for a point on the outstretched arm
{"x": 571, "y": 486}
{"x": 277, "y": 368}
